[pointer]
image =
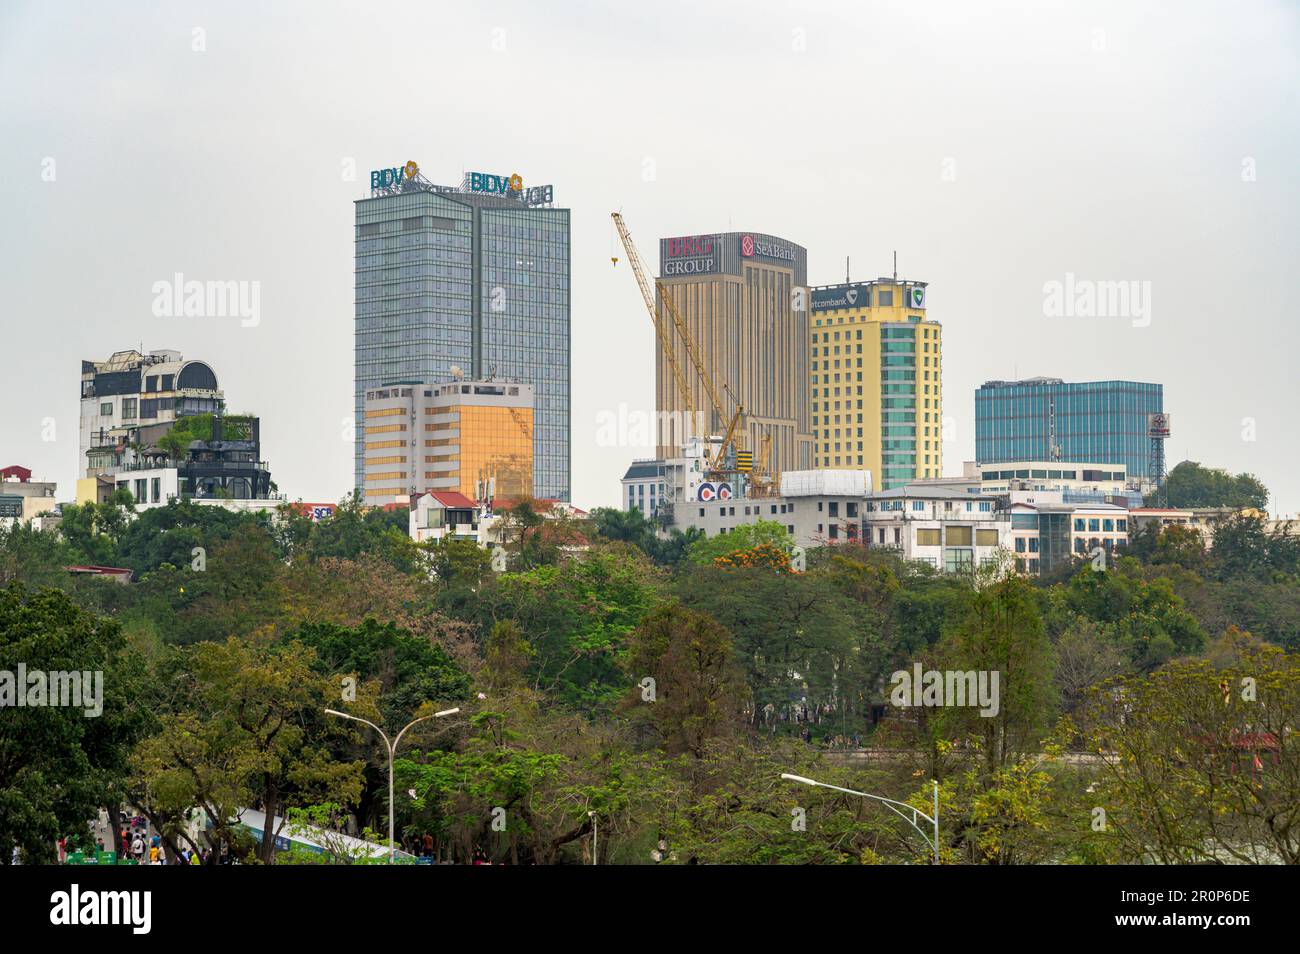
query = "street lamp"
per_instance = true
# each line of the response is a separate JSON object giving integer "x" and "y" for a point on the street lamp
{"x": 392, "y": 749}
{"x": 889, "y": 803}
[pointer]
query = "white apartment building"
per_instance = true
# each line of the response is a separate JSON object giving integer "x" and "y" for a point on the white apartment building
{"x": 951, "y": 530}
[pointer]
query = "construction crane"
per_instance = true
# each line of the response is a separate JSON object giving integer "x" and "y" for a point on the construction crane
{"x": 732, "y": 438}
{"x": 763, "y": 482}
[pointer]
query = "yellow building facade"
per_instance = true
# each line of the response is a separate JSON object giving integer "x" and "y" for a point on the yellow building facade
{"x": 875, "y": 383}
{"x": 472, "y": 437}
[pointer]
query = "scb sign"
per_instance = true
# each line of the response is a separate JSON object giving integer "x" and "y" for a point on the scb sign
{"x": 387, "y": 178}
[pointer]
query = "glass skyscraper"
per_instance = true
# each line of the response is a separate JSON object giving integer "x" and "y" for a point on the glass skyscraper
{"x": 1096, "y": 421}
{"x": 474, "y": 277}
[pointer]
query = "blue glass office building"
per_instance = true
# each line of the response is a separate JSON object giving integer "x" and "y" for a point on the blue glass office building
{"x": 474, "y": 276}
{"x": 1093, "y": 421}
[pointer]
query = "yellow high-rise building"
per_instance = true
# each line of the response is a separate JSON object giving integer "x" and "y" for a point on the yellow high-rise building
{"x": 875, "y": 388}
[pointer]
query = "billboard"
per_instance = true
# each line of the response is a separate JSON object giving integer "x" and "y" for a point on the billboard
{"x": 1157, "y": 425}
{"x": 689, "y": 255}
{"x": 841, "y": 296}
{"x": 757, "y": 247}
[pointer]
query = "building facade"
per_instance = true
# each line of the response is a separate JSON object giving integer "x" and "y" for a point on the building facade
{"x": 736, "y": 293}
{"x": 472, "y": 277}
{"x": 1046, "y": 533}
{"x": 223, "y": 462}
{"x": 133, "y": 390}
{"x": 23, "y": 499}
{"x": 949, "y": 530}
{"x": 1047, "y": 419}
{"x": 644, "y": 488}
{"x": 875, "y": 380}
{"x": 475, "y": 438}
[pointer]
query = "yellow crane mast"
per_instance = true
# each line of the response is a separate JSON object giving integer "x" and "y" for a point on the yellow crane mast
{"x": 733, "y": 437}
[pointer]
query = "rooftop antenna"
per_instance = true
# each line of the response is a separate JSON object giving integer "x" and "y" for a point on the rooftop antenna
{"x": 847, "y": 280}
{"x": 895, "y": 264}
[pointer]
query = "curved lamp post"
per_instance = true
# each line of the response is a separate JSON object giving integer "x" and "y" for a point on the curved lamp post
{"x": 392, "y": 749}
{"x": 891, "y": 804}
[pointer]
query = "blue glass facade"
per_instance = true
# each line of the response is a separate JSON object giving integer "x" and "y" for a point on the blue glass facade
{"x": 449, "y": 279}
{"x": 1095, "y": 421}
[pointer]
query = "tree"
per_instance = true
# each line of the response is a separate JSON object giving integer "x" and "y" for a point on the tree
{"x": 706, "y": 550}
{"x": 803, "y": 652}
{"x": 409, "y": 670}
{"x": 246, "y": 728}
{"x": 1004, "y": 633}
{"x": 58, "y": 759}
{"x": 699, "y": 692}
{"x": 1191, "y": 485}
{"x": 577, "y": 617}
{"x": 1145, "y": 619}
{"x": 93, "y": 529}
{"x": 1199, "y": 762}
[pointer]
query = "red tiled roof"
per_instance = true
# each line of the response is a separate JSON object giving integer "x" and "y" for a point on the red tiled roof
{"x": 14, "y": 470}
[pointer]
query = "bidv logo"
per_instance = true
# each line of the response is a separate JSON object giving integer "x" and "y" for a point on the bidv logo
{"x": 387, "y": 178}
{"x": 495, "y": 185}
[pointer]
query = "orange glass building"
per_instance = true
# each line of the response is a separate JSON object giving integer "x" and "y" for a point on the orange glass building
{"x": 471, "y": 437}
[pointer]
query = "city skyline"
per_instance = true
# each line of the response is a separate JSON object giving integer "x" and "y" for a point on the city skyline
{"x": 143, "y": 158}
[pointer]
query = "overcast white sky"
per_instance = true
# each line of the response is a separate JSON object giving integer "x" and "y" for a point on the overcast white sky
{"x": 996, "y": 146}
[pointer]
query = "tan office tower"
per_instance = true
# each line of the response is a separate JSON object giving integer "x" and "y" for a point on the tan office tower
{"x": 735, "y": 290}
{"x": 877, "y": 402}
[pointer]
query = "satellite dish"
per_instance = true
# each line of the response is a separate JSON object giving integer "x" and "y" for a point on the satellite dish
{"x": 457, "y": 372}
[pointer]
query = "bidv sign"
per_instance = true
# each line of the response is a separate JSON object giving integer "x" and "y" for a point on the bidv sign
{"x": 511, "y": 185}
{"x": 689, "y": 255}
{"x": 387, "y": 178}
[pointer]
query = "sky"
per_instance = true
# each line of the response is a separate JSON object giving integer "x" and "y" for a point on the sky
{"x": 998, "y": 148}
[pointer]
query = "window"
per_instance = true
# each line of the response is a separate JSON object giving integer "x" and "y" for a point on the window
{"x": 1108, "y": 526}
{"x": 958, "y": 561}
{"x": 1020, "y": 544}
{"x": 1033, "y": 544}
{"x": 986, "y": 538}
{"x": 128, "y": 408}
{"x": 1094, "y": 525}
{"x": 1078, "y": 523}
{"x": 106, "y": 409}
{"x": 918, "y": 504}
{"x": 927, "y": 537}
{"x": 958, "y": 536}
